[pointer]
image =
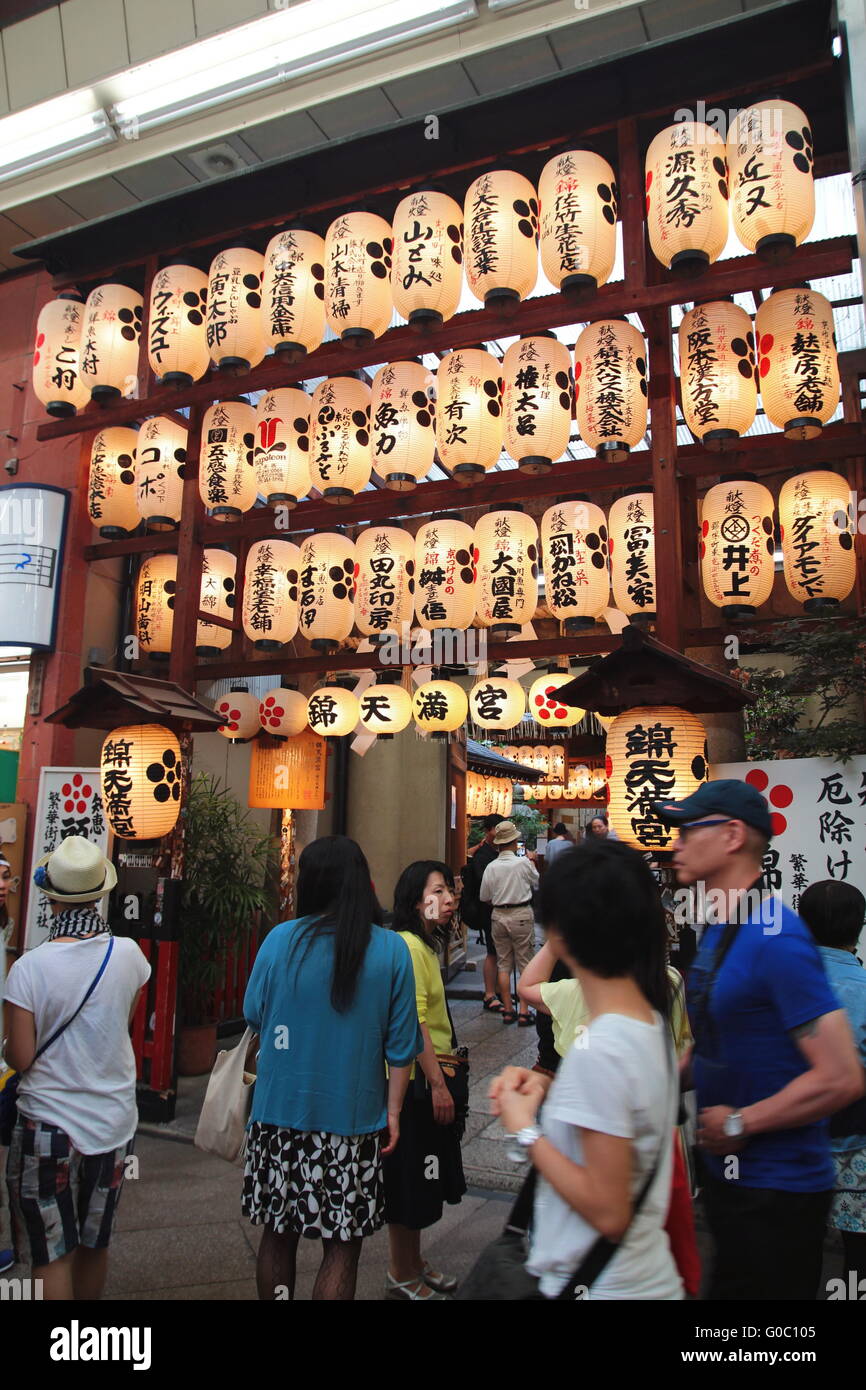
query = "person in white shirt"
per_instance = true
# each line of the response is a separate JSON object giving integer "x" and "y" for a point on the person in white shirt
{"x": 508, "y": 885}
{"x": 604, "y": 1146}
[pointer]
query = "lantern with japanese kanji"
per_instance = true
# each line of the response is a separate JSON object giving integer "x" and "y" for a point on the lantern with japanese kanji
{"x": 469, "y": 387}
{"x": 718, "y": 372}
{"x": 108, "y": 355}
{"x": 537, "y": 401}
{"x": 439, "y": 707}
{"x": 218, "y": 593}
{"x": 507, "y": 590}
{"x": 576, "y": 574}
{"x": 579, "y": 204}
{"x": 501, "y": 251}
{"x": 271, "y": 592}
{"x": 293, "y": 293}
{"x": 546, "y": 709}
{"x": 281, "y": 456}
{"x": 610, "y": 388}
{"x": 633, "y": 554}
{"x": 555, "y": 791}
{"x": 227, "y": 478}
{"x": 556, "y": 762}
{"x": 340, "y": 457}
{"x": 141, "y": 772}
{"x": 599, "y": 781}
{"x": 541, "y": 759}
{"x": 159, "y": 472}
{"x": 427, "y": 276}
{"x": 57, "y": 379}
{"x": 384, "y": 598}
{"x": 328, "y": 573}
{"x": 497, "y": 703}
{"x": 771, "y": 158}
{"x": 155, "y": 593}
{"x": 332, "y": 711}
{"x": 472, "y": 794}
{"x": 111, "y": 497}
{"x": 177, "y": 345}
{"x": 386, "y": 709}
{"x": 235, "y": 327}
{"x": 687, "y": 196}
{"x": 358, "y": 304}
{"x": 816, "y": 513}
{"x": 402, "y": 413}
{"x": 797, "y": 361}
{"x": 283, "y": 712}
{"x": 240, "y": 711}
{"x": 446, "y": 563}
{"x": 580, "y": 783}
{"x": 656, "y": 753}
{"x": 737, "y": 546}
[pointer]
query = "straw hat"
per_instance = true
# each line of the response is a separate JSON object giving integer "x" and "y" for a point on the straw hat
{"x": 75, "y": 872}
{"x": 506, "y": 833}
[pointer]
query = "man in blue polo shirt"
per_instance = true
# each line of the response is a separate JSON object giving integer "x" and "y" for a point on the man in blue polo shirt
{"x": 773, "y": 1054}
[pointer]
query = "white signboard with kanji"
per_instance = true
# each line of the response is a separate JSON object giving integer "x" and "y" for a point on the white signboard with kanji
{"x": 70, "y": 803}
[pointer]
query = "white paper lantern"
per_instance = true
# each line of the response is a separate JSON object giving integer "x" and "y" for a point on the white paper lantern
{"x": 427, "y": 275}
{"x": 632, "y": 553}
{"x": 111, "y": 495}
{"x": 281, "y": 457}
{"x": 227, "y": 479}
{"x": 385, "y": 710}
{"x": 736, "y": 546}
{"x": 155, "y": 593}
{"x": 159, "y": 472}
{"x": 718, "y": 372}
{"x": 283, "y": 712}
{"x": 176, "y": 335}
{"x": 141, "y": 774}
{"x": 340, "y": 457}
{"x": 358, "y": 303}
{"x": 109, "y": 341}
{"x": 610, "y": 388}
{"x": 469, "y": 412}
{"x": 816, "y": 513}
{"x": 57, "y": 379}
{"x": 218, "y": 594}
{"x": 271, "y": 594}
{"x": 328, "y": 574}
{"x": 546, "y": 709}
{"x": 235, "y": 328}
{"x": 240, "y": 711}
{"x": 293, "y": 293}
{"x": 507, "y": 589}
{"x": 446, "y": 562}
{"x": 574, "y": 543}
{"x": 656, "y": 753}
{"x": 771, "y": 159}
{"x": 797, "y": 361}
{"x": 687, "y": 195}
{"x": 402, "y": 414}
{"x": 332, "y": 711}
{"x": 439, "y": 707}
{"x": 497, "y": 703}
{"x": 501, "y": 219}
{"x": 579, "y": 204}
{"x": 537, "y": 401}
{"x": 384, "y": 598}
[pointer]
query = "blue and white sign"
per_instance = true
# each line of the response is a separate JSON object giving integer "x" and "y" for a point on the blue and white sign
{"x": 32, "y": 533}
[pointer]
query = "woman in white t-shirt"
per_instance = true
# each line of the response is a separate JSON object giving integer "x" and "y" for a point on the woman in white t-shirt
{"x": 77, "y": 1114}
{"x": 608, "y": 1118}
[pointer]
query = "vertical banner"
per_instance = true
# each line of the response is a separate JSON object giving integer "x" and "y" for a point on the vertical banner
{"x": 32, "y": 531}
{"x": 69, "y": 803}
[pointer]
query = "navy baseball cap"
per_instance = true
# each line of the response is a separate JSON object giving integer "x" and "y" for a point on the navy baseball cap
{"x": 727, "y": 797}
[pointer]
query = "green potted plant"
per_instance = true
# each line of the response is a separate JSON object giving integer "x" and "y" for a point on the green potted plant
{"x": 227, "y": 884}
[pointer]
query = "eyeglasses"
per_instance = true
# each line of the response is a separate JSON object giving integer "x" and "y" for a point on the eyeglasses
{"x": 690, "y": 825}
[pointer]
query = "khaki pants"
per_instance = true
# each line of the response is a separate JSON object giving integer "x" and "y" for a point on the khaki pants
{"x": 514, "y": 938}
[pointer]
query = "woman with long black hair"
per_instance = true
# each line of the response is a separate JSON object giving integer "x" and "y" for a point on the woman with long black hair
{"x": 604, "y": 1148}
{"x": 332, "y": 997}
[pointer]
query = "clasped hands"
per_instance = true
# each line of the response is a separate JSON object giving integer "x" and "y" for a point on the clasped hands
{"x": 517, "y": 1094}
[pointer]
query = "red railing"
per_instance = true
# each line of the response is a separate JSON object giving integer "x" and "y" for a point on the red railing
{"x": 228, "y": 1000}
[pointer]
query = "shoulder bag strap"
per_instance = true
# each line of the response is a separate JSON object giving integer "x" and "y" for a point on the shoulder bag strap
{"x": 93, "y": 984}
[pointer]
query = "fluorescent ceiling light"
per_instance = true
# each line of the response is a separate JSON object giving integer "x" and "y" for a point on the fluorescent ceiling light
{"x": 23, "y": 149}
{"x": 290, "y": 43}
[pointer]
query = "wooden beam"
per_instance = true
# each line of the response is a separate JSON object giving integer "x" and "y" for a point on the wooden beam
{"x": 189, "y": 565}
{"x": 666, "y": 496}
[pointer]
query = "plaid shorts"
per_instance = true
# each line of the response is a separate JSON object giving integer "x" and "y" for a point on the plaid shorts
{"x": 60, "y": 1198}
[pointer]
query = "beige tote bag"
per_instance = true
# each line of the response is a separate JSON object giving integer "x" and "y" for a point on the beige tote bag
{"x": 226, "y": 1110}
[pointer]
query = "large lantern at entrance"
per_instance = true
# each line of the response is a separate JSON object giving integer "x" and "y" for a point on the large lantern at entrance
{"x": 497, "y": 703}
{"x": 340, "y": 457}
{"x": 385, "y": 564}
{"x": 108, "y": 355}
{"x": 159, "y": 472}
{"x": 718, "y": 372}
{"x": 579, "y": 200}
{"x": 235, "y": 331}
{"x": 427, "y": 276}
{"x": 501, "y": 220}
{"x": 537, "y": 401}
{"x": 576, "y": 574}
{"x": 687, "y": 195}
{"x": 610, "y": 388}
{"x": 358, "y": 301}
{"x": 332, "y": 711}
{"x": 439, "y": 707}
{"x": 111, "y": 496}
{"x": 281, "y": 457}
{"x": 507, "y": 589}
{"x": 469, "y": 412}
{"x": 141, "y": 772}
{"x": 656, "y": 753}
{"x": 327, "y": 590}
{"x": 57, "y": 380}
{"x": 227, "y": 480}
{"x": 546, "y": 709}
{"x": 633, "y": 554}
{"x": 797, "y": 361}
{"x": 154, "y": 605}
{"x": 218, "y": 583}
{"x": 737, "y": 546}
{"x": 770, "y": 157}
{"x": 177, "y": 347}
{"x": 271, "y": 587}
{"x": 293, "y": 292}
{"x": 816, "y": 516}
{"x": 446, "y": 562}
{"x": 402, "y": 412}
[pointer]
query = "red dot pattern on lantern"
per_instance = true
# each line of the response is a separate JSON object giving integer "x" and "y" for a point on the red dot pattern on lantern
{"x": 544, "y": 706}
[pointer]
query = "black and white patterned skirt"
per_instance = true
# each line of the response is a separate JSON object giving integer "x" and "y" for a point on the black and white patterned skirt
{"x": 315, "y": 1184}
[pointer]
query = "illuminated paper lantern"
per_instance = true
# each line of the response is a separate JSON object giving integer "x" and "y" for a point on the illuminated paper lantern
{"x": 446, "y": 561}
{"x": 770, "y": 157}
{"x": 439, "y": 707}
{"x": 155, "y": 593}
{"x": 526, "y": 753}
{"x": 293, "y": 293}
{"x": 544, "y": 706}
{"x": 556, "y": 761}
{"x": 385, "y": 565}
{"x": 469, "y": 412}
{"x": 576, "y": 574}
{"x": 474, "y": 784}
{"x": 427, "y": 276}
{"x": 507, "y": 750}
{"x": 227, "y": 479}
{"x": 599, "y": 781}
{"x": 327, "y": 590}
{"x": 816, "y": 513}
{"x": 385, "y": 710}
{"x": 332, "y": 711}
{"x": 57, "y": 379}
{"x": 497, "y": 703}
{"x": 283, "y": 712}
{"x": 718, "y": 372}
{"x": 218, "y": 594}
{"x": 340, "y": 457}
{"x": 108, "y": 355}
{"x": 402, "y": 414}
{"x": 610, "y": 388}
{"x": 541, "y": 759}
{"x": 737, "y": 546}
{"x": 271, "y": 593}
{"x": 177, "y": 344}
{"x": 235, "y": 327}
{"x": 111, "y": 494}
{"x": 537, "y": 401}
{"x": 281, "y": 457}
{"x": 579, "y": 204}
{"x": 506, "y": 803}
{"x": 633, "y": 553}
{"x": 507, "y": 589}
{"x": 240, "y": 711}
{"x": 654, "y": 753}
{"x": 687, "y": 195}
{"x": 159, "y": 472}
{"x": 797, "y": 361}
{"x": 580, "y": 783}
{"x": 501, "y": 252}
{"x": 555, "y": 791}
{"x": 358, "y": 304}
{"x": 141, "y": 772}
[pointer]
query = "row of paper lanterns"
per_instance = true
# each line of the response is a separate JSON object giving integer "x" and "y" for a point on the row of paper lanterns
{"x": 488, "y": 796}
{"x": 365, "y": 268}
{"x": 582, "y": 784}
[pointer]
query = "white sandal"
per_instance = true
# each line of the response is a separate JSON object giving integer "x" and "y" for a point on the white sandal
{"x": 413, "y": 1290}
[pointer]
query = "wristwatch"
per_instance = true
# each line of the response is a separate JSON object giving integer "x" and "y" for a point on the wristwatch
{"x": 734, "y": 1125}
{"x": 528, "y": 1136}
